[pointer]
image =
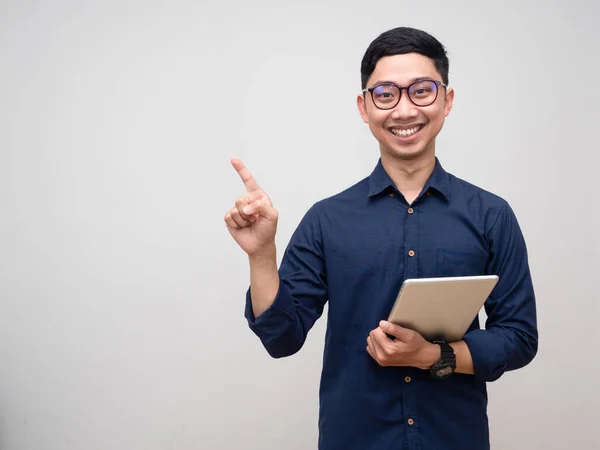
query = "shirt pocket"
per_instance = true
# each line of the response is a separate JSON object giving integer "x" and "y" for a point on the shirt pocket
{"x": 361, "y": 260}
{"x": 452, "y": 263}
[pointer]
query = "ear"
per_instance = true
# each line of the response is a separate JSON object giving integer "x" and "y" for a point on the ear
{"x": 449, "y": 101}
{"x": 362, "y": 107}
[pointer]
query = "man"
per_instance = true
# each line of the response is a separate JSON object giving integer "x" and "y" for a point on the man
{"x": 408, "y": 219}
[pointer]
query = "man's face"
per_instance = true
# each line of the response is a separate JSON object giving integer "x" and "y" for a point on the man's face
{"x": 395, "y": 128}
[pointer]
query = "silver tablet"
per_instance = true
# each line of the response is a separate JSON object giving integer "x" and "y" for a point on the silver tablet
{"x": 441, "y": 308}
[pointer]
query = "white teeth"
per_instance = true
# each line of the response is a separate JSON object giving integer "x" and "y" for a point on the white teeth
{"x": 406, "y": 133}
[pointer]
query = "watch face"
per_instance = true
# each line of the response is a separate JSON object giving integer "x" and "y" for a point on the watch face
{"x": 444, "y": 372}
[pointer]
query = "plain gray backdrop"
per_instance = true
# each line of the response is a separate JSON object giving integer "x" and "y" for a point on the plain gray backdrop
{"x": 121, "y": 291}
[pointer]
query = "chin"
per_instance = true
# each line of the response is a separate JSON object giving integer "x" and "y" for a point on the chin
{"x": 407, "y": 154}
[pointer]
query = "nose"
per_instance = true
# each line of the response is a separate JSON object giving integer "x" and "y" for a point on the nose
{"x": 405, "y": 109}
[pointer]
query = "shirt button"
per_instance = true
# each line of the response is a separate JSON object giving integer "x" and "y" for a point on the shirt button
{"x": 428, "y": 193}
{"x": 408, "y": 379}
{"x": 410, "y": 421}
{"x": 411, "y": 253}
{"x": 410, "y": 210}
{"x": 392, "y": 194}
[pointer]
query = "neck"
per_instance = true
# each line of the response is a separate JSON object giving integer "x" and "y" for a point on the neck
{"x": 409, "y": 176}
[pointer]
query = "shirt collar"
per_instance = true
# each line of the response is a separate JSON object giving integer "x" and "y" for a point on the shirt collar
{"x": 379, "y": 180}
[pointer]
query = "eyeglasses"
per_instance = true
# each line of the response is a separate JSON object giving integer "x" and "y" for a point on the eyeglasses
{"x": 420, "y": 93}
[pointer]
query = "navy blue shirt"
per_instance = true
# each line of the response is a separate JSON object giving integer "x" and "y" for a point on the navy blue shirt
{"x": 353, "y": 250}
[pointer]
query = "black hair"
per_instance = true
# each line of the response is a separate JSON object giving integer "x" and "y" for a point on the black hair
{"x": 399, "y": 41}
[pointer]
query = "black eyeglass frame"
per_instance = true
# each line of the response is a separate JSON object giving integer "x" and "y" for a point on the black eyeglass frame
{"x": 437, "y": 83}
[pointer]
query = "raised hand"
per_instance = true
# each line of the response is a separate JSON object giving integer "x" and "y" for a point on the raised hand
{"x": 252, "y": 222}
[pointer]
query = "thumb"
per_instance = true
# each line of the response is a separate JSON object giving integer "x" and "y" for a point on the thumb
{"x": 263, "y": 209}
{"x": 403, "y": 334}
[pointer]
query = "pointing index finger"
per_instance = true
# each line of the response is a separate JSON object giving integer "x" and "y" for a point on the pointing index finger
{"x": 245, "y": 175}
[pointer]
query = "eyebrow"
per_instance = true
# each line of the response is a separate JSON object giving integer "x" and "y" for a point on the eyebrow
{"x": 414, "y": 80}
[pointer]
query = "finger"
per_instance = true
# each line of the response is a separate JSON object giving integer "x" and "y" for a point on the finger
{"x": 245, "y": 200}
{"x": 370, "y": 352}
{"x": 238, "y": 219}
{"x": 375, "y": 344}
{"x": 230, "y": 222}
{"x": 261, "y": 208}
{"x": 371, "y": 348}
{"x": 380, "y": 337}
{"x": 381, "y": 356}
{"x": 401, "y": 333}
{"x": 245, "y": 175}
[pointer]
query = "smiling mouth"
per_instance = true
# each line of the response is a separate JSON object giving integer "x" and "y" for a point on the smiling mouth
{"x": 406, "y": 132}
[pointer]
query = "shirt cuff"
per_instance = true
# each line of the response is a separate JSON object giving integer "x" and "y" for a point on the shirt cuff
{"x": 488, "y": 353}
{"x": 275, "y": 327}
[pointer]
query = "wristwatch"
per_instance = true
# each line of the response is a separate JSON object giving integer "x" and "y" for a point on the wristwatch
{"x": 447, "y": 363}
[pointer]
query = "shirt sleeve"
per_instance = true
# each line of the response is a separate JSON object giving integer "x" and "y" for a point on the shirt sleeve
{"x": 283, "y": 327}
{"x": 510, "y": 340}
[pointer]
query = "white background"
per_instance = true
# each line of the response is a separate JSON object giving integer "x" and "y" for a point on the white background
{"x": 121, "y": 292}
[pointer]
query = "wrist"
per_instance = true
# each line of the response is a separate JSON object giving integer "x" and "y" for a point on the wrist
{"x": 266, "y": 254}
{"x": 431, "y": 353}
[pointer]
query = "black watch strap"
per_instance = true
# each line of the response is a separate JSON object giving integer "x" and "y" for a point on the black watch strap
{"x": 447, "y": 351}
{"x": 447, "y": 363}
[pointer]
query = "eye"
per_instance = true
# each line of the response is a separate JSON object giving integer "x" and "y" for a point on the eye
{"x": 423, "y": 89}
{"x": 385, "y": 93}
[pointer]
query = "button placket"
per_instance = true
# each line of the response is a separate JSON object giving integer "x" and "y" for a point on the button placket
{"x": 411, "y": 234}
